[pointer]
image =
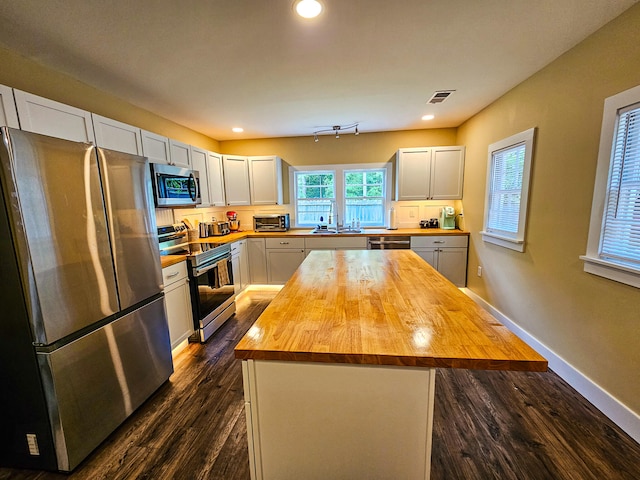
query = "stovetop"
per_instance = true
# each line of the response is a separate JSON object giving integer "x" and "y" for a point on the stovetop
{"x": 172, "y": 240}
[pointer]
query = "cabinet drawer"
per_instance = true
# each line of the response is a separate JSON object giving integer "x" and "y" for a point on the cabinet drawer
{"x": 336, "y": 243}
{"x": 174, "y": 273}
{"x": 440, "y": 241}
{"x": 284, "y": 242}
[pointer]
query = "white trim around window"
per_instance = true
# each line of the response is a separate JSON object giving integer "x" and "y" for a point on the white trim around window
{"x": 507, "y": 191}
{"x": 339, "y": 193}
{"x": 596, "y": 260}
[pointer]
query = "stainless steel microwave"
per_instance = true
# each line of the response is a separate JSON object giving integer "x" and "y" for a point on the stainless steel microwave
{"x": 175, "y": 186}
{"x": 278, "y": 222}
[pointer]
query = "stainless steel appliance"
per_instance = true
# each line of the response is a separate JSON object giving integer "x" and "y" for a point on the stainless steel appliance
{"x": 392, "y": 242}
{"x": 217, "y": 229}
{"x": 173, "y": 239}
{"x": 211, "y": 286}
{"x": 83, "y": 337}
{"x": 277, "y": 222}
{"x": 175, "y": 186}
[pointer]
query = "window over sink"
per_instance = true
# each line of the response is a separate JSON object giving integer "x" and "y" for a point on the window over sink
{"x": 342, "y": 194}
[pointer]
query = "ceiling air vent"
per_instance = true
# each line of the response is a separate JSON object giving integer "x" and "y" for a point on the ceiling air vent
{"x": 440, "y": 96}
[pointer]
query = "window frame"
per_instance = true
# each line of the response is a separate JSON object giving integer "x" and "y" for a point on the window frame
{"x": 515, "y": 241}
{"x": 339, "y": 188}
{"x": 593, "y": 263}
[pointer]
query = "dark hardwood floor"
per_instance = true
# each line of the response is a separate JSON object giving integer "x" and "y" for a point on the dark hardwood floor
{"x": 487, "y": 425}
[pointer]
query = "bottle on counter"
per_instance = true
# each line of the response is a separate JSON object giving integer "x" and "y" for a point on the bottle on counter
{"x": 393, "y": 223}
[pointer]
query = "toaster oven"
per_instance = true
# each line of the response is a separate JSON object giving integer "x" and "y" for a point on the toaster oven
{"x": 278, "y": 222}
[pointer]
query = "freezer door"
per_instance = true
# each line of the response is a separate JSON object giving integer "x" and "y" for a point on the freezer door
{"x": 129, "y": 200}
{"x": 94, "y": 383}
{"x": 52, "y": 191}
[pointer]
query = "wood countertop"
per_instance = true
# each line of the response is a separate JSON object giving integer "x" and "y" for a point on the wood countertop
{"x": 381, "y": 307}
{"x": 169, "y": 260}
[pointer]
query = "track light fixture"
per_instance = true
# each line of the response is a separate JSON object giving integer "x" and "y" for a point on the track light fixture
{"x": 336, "y": 129}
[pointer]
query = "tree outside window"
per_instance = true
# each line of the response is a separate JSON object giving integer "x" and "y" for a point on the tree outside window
{"x": 315, "y": 196}
{"x": 364, "y": 197}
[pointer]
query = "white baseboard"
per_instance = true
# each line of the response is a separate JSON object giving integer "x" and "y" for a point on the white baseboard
{"x": 620, "y": 414}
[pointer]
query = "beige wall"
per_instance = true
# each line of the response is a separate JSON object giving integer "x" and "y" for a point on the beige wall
{"x": 591, "y": 322}
{"x": 23, "y": 74}
{"x": 349, "y": 148}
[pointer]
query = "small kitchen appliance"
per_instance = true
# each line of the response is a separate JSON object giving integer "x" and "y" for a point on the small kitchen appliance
{"x": 431, "y": 223}
{"x": 448, "y": 218}
{"x": 277, "y": 222}
{"x": 217, "y": 229}
{"x": 234, "y": 223}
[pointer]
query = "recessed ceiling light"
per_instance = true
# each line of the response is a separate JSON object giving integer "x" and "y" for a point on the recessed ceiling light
{"x": 428, "y": 117}
{"x": 308, "y": 8}
{"x": 238, "y": 129}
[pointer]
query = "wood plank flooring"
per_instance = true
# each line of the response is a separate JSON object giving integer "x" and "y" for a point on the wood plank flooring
{"x": 487, "y": 425}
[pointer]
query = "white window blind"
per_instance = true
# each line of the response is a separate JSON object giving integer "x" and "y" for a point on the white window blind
{"x": 507, "y": 167}
{"x": 620, "y": 240}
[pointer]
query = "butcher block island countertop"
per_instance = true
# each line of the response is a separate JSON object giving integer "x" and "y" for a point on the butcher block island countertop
{"x": 339, "y": 370}
{"x": 381, "y": 307}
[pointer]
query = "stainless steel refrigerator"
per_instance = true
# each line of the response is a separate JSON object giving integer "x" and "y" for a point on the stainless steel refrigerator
{"x": 83, "y": 331}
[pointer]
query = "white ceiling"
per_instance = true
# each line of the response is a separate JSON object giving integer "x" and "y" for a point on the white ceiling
{"x": 214, "y": 64}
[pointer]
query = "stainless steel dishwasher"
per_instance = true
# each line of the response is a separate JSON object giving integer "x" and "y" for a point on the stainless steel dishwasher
{"x": 394, "y": 242}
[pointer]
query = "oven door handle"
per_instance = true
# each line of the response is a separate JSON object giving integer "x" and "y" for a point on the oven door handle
{"x": 197, "y": 271}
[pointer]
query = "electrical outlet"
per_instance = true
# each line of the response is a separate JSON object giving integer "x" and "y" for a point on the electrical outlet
{"x": 479, "y": 270}
{"x": 412, "y": 213}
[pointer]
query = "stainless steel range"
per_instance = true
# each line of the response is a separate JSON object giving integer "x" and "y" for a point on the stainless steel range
{"x": 210, "y": 280}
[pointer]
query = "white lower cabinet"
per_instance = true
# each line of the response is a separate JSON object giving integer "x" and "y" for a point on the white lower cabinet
{"x": 178, "y": 303}
{"x": 240, "y": 265}
{"x": 284, "y": 256}
{"x": 257, "y": 255}
{"x": 446, "y": 253}
{"x": 335, "y": 243}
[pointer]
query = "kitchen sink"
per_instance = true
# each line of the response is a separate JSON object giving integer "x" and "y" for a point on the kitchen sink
{"x": 333, "y": 231}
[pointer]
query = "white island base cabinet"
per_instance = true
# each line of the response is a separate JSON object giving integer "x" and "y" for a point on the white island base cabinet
{"x": 338, "y": 421}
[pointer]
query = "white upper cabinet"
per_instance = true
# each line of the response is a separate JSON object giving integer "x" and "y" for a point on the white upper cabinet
{"x": 447, "y": 172}
{"x": 8, "y": 113}
{"x": 180, "y": 154}
{"x": 429, "y": 173}
{"x": 216, "y": 180}
{"x": 156, "y": 147}
{"x": 266, "y": 177}
{"x": 116, "y": 135}
{"x": 199, "y": 160}
{"x": 236, "y": 180}
{"x": 413, "y": 173}
{"x": 41, "y": 115}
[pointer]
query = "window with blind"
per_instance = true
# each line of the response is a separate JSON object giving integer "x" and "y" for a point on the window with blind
{"x": 613, "y": 249}
{"x": 508, "y": 172}
{"x": 621, "y": 229}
